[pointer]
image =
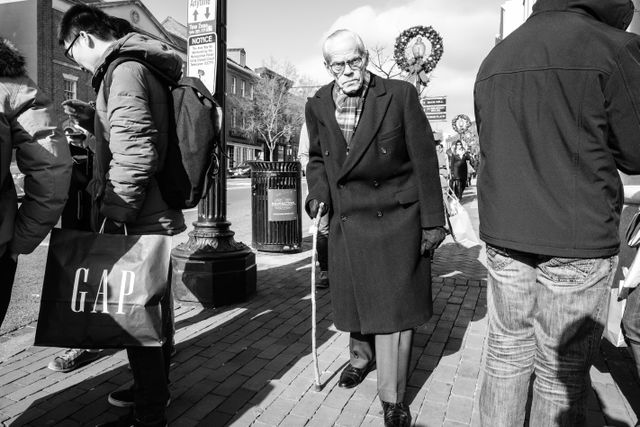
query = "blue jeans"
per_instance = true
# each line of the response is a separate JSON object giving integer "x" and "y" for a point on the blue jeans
{"x": 546, "y": 317}
{"x": 631, "y": 325}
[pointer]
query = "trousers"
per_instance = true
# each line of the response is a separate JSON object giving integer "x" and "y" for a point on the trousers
{"x": 391, "y": 353}
{"x": 546, "y": 317}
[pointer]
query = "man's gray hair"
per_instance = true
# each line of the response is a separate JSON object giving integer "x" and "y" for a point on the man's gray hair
{"x": 343, "y": 33}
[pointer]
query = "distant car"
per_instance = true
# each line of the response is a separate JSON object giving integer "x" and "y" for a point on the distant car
{"x": 243, "y": 170}
{"x": 18, "y": 179}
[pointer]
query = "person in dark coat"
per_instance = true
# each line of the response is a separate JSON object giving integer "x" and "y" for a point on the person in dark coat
{"x": 458, "y": 158}
{"x": 557, "y": 111}
{"x": 373, "y": 167}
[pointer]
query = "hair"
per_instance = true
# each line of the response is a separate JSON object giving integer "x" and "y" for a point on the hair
{"x": 343, "y": 33}
{"x": 90, "y": 19}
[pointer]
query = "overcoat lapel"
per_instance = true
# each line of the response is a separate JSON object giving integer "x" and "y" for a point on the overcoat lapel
{"x": 337, "y": 143}
{"x": 375, "y": 106}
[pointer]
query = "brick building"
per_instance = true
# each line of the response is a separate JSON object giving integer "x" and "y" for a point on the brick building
{"x": 32, "y": 26}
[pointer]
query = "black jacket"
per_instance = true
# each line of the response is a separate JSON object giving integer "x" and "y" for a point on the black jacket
{"x": 558, "y": 111}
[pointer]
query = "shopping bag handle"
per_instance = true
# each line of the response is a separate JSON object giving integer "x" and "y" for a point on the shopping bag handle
{"x": 104, "y": 221}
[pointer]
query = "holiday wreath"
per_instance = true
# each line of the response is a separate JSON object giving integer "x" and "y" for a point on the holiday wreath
{"x": 461, "y": 123}
{"x": 409, "y": 34}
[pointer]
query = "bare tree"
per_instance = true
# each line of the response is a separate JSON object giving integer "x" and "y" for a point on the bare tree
{"x": 271, "y": 114}
{"x": 383, "y": 64}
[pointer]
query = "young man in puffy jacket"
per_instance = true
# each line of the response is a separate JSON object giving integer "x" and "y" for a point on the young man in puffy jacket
{"x": 27, "y": 124}
{"x": 131, "y": 129}
{"x": 557, "y": 112}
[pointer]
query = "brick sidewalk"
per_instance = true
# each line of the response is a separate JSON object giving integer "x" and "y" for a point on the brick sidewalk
{"x": 250, "y": 364}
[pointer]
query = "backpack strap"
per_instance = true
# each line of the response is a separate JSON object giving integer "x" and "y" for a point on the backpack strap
{"x": 108, "y": 75}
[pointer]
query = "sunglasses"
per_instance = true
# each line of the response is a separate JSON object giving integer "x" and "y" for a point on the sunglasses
{"x": 68, "y": 52}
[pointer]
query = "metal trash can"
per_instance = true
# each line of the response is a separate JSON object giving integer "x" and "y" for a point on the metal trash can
{"x": 276, "y": 216}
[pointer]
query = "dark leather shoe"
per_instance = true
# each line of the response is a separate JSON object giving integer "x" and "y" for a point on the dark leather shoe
{"x": 352, "y": 376}
{"x": 396, "y": 415}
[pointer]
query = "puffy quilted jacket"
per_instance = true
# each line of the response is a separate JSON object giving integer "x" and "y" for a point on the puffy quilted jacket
{"x": 42, "y": 154}
{"x": 131, "y": 129}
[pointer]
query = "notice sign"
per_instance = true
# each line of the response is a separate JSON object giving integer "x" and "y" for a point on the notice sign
{"x": 202, "y": 59}
{"x": 281, "y": 204}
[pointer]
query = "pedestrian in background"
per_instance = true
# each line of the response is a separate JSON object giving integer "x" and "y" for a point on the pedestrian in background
{"x": 131, "y": 127}
{"x": 323, "y": 225}
{"x": 27, "y": 125}
{"x": 458, "y": 158}
{"x": 372, "y": 162}
{"x": 556, "y": 111}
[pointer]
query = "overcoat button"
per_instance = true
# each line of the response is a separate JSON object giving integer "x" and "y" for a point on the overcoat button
{"x": 379, "y": 213}
{"x": 383, "y": 150}
{"x": 343, "y": 218}
{"x": 376, "y": 183}
{"x": 341, "y": 186}
{"x": 326, "y": 153}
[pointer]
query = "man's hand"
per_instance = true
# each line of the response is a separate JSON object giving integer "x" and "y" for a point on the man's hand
{"x": 315, "y": 205}
{"x": 79, "y": 111}
{"x": 431, "y": 239}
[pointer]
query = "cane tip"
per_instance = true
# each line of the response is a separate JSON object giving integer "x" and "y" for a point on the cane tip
{"x": 317, "y": 387}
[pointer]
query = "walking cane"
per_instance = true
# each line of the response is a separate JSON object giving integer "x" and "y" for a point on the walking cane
{"x": 314, "y": 350}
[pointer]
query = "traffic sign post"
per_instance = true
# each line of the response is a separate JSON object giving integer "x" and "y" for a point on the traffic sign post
{"x": 211, "y": 268}
{"x": 435, "y": 107}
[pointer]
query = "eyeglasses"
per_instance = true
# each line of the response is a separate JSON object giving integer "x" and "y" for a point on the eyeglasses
{"x": 68, "y": 52}
{"x": 354, "y": 63}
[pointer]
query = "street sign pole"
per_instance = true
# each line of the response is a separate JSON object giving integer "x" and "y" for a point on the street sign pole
{"x": 211, "y": 268}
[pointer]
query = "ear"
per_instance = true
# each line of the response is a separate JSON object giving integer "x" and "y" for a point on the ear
{"x": 365, "y": 60}
{"x": 326, "y": 67}
{"x": 88, "y": 39}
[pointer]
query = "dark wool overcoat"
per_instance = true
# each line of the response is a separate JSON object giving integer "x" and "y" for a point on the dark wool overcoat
{"x": 381, "y": 194}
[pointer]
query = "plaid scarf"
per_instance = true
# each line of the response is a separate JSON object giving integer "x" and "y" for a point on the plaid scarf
{"x": 349, "y": 108}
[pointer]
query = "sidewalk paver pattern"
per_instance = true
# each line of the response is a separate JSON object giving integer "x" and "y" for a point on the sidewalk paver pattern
{"x": 251, "y": 364}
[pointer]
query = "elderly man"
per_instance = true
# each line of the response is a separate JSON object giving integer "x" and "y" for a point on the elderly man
{"x": 373, "y": 167}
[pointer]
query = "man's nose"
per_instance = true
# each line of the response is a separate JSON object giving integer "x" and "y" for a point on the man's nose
{"x": 348, "y": 70}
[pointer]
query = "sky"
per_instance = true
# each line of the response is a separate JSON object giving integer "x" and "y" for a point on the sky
{"x": 293, "y": 31}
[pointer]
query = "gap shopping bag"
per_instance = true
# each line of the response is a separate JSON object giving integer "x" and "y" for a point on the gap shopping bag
{"x": 103, "y": 290}
{"x": 459, "y": 222}
{"x": 613, "y": 328}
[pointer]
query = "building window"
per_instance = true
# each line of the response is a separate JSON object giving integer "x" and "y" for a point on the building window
{"x": 233, "y": 85}
{"x": 230, "y": 156}
{"x": 242, "y": 120}
{"x": 251, "y": 93}
{"x": 243, "y": 88}
{"x": 70, "y": 86}
{"x": 233, "y": 117}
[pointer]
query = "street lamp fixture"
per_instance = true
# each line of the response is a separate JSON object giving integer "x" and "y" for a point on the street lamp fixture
{"x": 418, "y": 49}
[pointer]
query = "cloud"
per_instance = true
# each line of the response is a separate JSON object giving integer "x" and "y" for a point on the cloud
{"x": 468, "y": 29}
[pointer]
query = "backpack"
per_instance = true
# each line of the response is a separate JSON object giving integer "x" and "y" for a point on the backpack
{"x": 190, "y": 161}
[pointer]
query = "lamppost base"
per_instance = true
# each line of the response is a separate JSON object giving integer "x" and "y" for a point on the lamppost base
{"x": 212, "y": 269}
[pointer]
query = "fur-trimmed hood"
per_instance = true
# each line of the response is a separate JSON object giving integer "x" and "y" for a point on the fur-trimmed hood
{"x": 12, "y": 63}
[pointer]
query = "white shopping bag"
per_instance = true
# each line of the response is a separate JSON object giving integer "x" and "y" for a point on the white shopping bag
{"x": 632, "y": 276}
{"x": 460, "y": 224}
{"x": 613, "y": 326}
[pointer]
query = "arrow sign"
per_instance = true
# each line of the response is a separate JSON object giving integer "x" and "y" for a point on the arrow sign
{"x": 195, "y": 15}
{"x": 206, "y": 13}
